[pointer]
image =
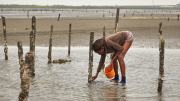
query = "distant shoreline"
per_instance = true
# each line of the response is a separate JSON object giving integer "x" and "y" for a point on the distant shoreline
{"x": 86, "y": 7}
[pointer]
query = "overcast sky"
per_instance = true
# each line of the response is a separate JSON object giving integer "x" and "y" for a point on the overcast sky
{"x": 91, "y": 2}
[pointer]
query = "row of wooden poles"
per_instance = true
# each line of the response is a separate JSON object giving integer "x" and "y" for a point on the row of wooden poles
{"x": 27, "y": 69}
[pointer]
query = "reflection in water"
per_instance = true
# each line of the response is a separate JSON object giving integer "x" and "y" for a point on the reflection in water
{"x": 108, "y": 91}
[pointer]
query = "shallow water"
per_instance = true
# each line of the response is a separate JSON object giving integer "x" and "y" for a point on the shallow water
{"x": 68, "y": 81}
{"x": 49, "y": 13}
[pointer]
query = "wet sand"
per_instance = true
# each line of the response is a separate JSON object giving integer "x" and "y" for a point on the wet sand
{"x": 145, "y": 31}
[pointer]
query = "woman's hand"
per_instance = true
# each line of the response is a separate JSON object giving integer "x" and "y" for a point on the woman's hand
{"x": 111, "y": 63}
{"x": 94, "y": 77}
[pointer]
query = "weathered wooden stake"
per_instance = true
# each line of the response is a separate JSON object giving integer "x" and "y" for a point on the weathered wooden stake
{"x": 104, "y": 34}
{"x": 168, "y": 19}
{"x": 5, "y": 40}
{"x": 58, "y": 17}
{"x": 33, "y": 34}
{"x": 20, "y": 54}
{"x": 90, "y": 57}
{"x": 117, "y": 20}
{"x": 160, "y": 34}
{"x": 69, "y": 45}
{"x": 29, "y": 59}
{"x": 178, "y": 17}
{"x": 161, "y": 65}
{"x": 50, "y": 46}
{"x": 28, "y": 14}
{"x": 32, "y": 45}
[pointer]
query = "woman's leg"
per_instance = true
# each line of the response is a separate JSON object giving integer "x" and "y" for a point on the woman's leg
{"x": 116, "y": 67}
{"x": 115, "y": 64}
{"x": 126, "y": 46}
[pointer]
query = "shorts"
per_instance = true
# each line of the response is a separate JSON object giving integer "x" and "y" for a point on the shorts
{"x": 129, "y": 36}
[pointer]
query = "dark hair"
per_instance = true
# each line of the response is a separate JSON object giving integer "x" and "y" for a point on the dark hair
{"x": 97, "y": 44}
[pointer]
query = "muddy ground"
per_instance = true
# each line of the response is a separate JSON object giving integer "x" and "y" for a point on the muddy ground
{"x": 145, "y": 31}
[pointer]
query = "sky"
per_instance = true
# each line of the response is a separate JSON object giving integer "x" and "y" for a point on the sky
{"x": 91, "y": 2}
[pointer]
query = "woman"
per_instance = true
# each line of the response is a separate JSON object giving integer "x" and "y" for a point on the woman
{"x": 117, "y": 43}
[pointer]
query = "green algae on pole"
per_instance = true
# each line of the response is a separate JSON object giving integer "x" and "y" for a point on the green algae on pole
{"x": 90, "y": 57}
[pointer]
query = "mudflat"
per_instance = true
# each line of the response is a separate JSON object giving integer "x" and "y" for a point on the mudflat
{"x": 145, "y": 31}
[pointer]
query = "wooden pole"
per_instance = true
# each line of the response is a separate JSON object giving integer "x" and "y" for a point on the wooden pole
{"x": 117, "y": 20}
{"x": 33, "y": 33}
{"x": 90, "y": 57}
{"x": 160, "y": 34}
{"x": 178, "y": 17}
{"x": 58, "y": 17}
{"x": 28, "y": 14}
{"x": 69, "y": 45}
{"x": 20, "y": 54}
{"x": 5, "y": 40}
{"x": 32, "y": 42}
{"x": 104, "y": 34}
{"x": 30, "y": 61}
{"x": 161, "y": 65}
{"x": 50, "y": 46}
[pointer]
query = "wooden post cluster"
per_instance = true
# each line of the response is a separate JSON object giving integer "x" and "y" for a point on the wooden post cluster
{"x": 5, "y": 40}
{"x": 58, "y": 17}
{"x": 50, "y": 46}
{"x": 33, "y": 35}
{"x": 161, "y": 58}
{"x": 104, "y": 34}
{"x": 117, "y": 20}
{"x": 90, "y": 57}
{"x": 27, "y": 72}
{"x": 69, "y": 45}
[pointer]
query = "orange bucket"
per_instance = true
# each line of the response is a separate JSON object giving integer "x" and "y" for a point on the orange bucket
{"x": 109, "y": 72}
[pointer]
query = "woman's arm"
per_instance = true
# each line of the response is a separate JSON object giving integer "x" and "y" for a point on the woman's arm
{"x": 101, "y": 63}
